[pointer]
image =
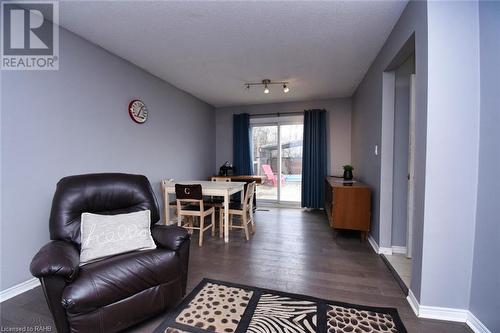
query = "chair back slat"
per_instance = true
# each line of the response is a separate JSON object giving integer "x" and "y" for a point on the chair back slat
{"x": 249, "y": 194}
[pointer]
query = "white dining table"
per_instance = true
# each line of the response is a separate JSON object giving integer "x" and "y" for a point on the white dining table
{"x": 208, "y": 188}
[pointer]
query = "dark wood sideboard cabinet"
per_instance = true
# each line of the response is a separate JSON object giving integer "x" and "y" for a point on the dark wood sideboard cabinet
{"x": 348, "y": 205}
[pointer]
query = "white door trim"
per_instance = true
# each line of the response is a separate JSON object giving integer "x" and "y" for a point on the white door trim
{"x": 411, "y": 169}
{"x": 387, "y": 159}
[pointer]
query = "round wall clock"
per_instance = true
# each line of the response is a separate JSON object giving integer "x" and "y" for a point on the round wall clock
{"x": 137, "y": 111}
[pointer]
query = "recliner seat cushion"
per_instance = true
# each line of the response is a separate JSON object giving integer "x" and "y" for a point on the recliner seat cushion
{"x": 116, "y": 278}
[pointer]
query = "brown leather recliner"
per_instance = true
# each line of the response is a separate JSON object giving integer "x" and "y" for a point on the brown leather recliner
{"x": 120, "y": 291}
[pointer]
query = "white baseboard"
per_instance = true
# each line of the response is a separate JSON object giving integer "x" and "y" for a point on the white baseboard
{"x": 448, "y": 314}
{"x": 412, "y": 300}
{"x": 373, "y": 244}
{"x": 476, "y": 325}
{"x": 378, "y": 249}
{"x": 399, "y": 249}
{"x": 441, "y": 313}
{"x": 386, "y": 250}
{"x": 18, "y": 289}
{"x": 433, "y": 312}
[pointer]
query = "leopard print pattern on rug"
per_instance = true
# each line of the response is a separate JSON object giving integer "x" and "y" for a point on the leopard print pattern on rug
{"x": 341, "y": 320}
{"x": 216, "y": 308}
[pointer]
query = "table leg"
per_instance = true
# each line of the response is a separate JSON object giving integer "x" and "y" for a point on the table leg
{"x": 242, "y": 196}
{"x": 226, "y": 218}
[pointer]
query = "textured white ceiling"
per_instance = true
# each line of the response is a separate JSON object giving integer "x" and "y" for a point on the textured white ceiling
{"x": 210, "y": 49}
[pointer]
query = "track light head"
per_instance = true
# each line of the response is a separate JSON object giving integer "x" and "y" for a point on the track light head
{"x": 285, "y": 88}
{"x": 265, "y": 82}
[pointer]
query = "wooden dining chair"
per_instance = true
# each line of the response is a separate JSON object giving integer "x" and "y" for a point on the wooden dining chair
{"x": 190, "y": 205}
{"x": 172, "y": 204}
{"x": 243, "y": 210}
{"x": 217, "y": 202}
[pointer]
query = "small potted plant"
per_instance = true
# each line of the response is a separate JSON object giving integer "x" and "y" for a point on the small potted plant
{"x": 348, "y": 172}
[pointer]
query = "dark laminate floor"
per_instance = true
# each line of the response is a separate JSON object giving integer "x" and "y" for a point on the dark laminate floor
{"x": 292, "y": 251}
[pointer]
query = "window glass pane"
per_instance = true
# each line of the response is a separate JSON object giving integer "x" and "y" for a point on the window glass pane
{"x": 265, "y": 160}
{"x": 267, "y": 151}
{"x": 291, "y": 162}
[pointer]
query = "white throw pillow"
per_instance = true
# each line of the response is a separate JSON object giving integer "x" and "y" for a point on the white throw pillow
{"x": 103, "y": 236}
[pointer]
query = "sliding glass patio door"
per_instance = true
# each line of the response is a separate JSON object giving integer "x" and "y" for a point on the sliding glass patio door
{"x": 277, "y": 155}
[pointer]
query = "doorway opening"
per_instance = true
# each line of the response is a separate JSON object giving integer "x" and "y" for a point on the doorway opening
{"x": 397, "y": 167}
{"x": 277, "y": 155}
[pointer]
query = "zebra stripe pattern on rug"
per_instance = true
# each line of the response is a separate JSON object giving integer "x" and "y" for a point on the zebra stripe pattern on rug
{"x": 282, "y": 314}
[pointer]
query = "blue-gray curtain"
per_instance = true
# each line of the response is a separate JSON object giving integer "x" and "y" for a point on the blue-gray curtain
{"x": 314, "y": 158}
{"x": 242, "y": 152}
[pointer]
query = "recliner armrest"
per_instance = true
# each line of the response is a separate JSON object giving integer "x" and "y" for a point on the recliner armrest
{"x": 169, "y": 236}
{"x": 56, "y": 258}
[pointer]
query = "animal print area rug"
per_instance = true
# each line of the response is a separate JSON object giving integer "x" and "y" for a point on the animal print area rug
{"x": 223, "y": 307}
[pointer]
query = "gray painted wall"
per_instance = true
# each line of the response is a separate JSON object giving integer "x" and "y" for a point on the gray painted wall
{"x": 338, "y": 128}
{"x": 401, "y": 141}
{"x": 452, "y": 153}
{"x": 75, "y": 120}
{"x": 485, "y": 294}
{"x": 452, "y": 145}
{"x": 367, "y": 119}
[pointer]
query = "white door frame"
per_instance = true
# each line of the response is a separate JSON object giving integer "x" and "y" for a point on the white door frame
{"x": 387, "y": 161}
{"x": 387, "y": 164}
{"x": 278, "y": 121}
{"x": 278, "y": 146}
{"x": 411, "y": 169}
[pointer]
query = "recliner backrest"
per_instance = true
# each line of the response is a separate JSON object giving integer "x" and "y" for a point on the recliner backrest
{"x": 102, "y": 193}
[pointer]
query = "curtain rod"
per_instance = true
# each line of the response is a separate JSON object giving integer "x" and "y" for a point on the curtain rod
{"x": 276, "y": 114}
